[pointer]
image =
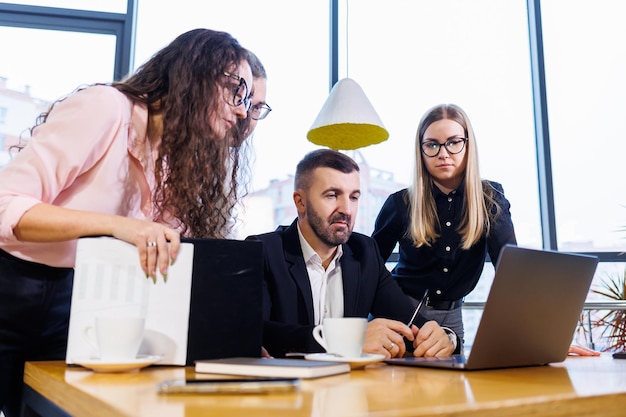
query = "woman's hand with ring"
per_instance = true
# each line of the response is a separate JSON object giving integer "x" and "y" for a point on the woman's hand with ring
{"x": 158, "y": 245}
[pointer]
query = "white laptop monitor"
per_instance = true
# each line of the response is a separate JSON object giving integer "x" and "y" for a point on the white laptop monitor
{"x": 530, "y": 315}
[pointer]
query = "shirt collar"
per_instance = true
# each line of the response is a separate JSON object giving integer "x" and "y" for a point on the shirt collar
{"x": 309, "y": 253}
{"x": 438, "y": 193}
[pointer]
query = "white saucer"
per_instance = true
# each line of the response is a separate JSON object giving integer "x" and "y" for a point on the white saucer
{"x": 356, "y": 362}
{"x": 99, "y": 365}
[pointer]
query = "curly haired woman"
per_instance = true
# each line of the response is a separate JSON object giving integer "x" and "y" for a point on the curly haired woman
{"x": 144, "y": 160}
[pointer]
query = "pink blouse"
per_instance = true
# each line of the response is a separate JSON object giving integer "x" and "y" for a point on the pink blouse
{"x": 91, "y": 154}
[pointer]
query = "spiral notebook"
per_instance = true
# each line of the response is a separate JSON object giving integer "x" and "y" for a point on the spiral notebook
{"x": 531, "y": 312}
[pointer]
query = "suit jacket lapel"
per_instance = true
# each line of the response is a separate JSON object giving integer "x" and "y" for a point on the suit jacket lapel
{"x": 297, "y": 268}
{"x": 351, "y": 276}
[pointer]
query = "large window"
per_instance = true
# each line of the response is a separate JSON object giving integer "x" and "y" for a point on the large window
{"x": 115, "y": 6}
{"x": 585, "y": 67}
{"x": 411, "y": 55}
{"x": 49, "y": 52}
{"x": 407, "y": 55}
{"x": 42, "y": 65}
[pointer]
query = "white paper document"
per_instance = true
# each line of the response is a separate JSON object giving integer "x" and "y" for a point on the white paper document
{"x": 108, "y": 281}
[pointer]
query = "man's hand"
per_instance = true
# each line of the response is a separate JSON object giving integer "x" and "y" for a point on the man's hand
{"x": 387, "y": 337}
{"x": 431, "y": 340}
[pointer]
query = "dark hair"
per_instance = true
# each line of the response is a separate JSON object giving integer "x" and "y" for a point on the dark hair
{"x": 258, "y": 70}
{"x": 240, "y": 147}
{"x": 241, "y": 130}
{"x": 182, "y": 82}
{"x": 322, "y": 158}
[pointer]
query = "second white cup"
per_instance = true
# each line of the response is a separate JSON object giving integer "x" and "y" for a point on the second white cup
{"x": 117, "y": 338}
{"x": 342, "y": 336}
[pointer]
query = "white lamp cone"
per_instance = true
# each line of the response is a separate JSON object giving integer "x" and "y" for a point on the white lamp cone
{"x": 347, "y": 120}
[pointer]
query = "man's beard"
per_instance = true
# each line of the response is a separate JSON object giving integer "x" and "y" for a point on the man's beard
{"x": 321, "y": 228}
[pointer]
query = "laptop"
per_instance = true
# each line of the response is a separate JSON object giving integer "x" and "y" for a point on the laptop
{"x": 225, "y": 318}
{"x": 530, "y": 315}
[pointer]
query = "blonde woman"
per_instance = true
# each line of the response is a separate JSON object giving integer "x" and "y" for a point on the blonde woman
{"x": 447, "y": 221}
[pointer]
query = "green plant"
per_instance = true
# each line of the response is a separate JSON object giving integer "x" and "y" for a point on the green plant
{"x": 613, "y": 322}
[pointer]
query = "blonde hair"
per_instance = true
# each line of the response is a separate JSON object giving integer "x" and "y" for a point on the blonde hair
{"x": 478, "y": 199}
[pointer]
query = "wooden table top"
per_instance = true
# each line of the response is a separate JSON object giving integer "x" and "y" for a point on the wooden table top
{"x": 580, "y": 386}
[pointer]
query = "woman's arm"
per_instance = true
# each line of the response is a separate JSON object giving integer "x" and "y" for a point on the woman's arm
{"x": 389, "y": 228}
{"x": 49, "y": 223}
{"x": 502, "y": 231}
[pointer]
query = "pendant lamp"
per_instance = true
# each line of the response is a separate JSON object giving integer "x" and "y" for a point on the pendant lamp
{"x": 347, "y": 120}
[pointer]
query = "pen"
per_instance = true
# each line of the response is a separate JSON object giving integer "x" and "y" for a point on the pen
{"x": 417, "y": 309}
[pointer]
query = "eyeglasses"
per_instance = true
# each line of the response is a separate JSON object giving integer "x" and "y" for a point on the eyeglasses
{"x": 259, "y": 111}
{"x": 453, "y": 146}
{"x": 240, "y": 92}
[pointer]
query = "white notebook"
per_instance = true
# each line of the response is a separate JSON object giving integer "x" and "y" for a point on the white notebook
{"x": 109, "y": 280}
{"x": 271, "y": 367}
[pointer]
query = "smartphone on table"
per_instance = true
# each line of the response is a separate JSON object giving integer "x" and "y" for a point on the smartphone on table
{"x": 229, "y": 386}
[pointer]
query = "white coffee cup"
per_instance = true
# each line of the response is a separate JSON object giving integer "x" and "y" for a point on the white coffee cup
{"x": 342, "y": 336}
{"x": 117, "y": 338}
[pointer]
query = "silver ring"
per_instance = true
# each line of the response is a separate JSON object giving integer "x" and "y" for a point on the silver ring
{"x": 151, "y": 244}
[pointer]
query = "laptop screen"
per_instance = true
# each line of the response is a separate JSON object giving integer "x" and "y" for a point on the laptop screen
{"x": 225, "y": 318}
{"x": 531, "y": 312}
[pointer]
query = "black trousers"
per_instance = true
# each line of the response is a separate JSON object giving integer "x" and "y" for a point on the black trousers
{"x": 34, "y": 320}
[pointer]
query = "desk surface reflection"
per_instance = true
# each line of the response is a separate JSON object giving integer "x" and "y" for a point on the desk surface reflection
{"x": 579, "y": 386}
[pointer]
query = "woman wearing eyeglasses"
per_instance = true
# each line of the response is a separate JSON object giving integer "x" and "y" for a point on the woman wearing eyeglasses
{"x": 259, "y": 109}
{"x": 241, "y": 135}
{"x": 144, "y": 160}
{"x": 447, "y": 221}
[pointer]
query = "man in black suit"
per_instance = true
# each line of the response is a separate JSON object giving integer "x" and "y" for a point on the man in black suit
{"x": 317, "y": 267}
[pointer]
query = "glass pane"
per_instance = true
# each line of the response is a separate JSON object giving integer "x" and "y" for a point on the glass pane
{"x": 474, "y": 54}
{"x": 585, "y": 67}
{"x": 111, "y": 6}
{"x": 295, "y": 54}
{"x": 607, "y": 287}
{"x": 41, "y": 68}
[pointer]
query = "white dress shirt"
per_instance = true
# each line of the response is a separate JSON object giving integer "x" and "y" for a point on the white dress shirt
{"x": 326, "y": 284}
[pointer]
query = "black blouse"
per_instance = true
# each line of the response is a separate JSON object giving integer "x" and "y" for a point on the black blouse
{"x": 449, "y": 272}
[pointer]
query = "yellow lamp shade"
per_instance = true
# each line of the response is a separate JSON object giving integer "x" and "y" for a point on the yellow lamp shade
{"x": 347, "y": 121}
{"x": 347, "y": 136}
